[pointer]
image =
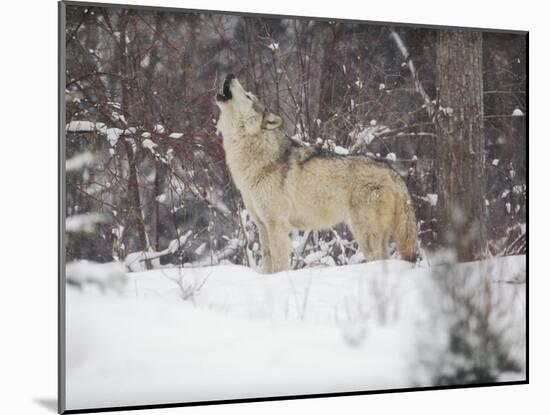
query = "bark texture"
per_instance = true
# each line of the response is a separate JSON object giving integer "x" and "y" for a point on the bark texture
{"x": 460, "y": 153}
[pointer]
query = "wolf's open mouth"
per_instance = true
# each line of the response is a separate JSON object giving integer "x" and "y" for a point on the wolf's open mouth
{"x": 226, "y": 91}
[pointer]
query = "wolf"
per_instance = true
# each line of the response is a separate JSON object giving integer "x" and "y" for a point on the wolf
{"x": 287, "y": 187}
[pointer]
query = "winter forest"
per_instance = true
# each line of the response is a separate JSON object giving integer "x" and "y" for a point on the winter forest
{"x": 163, "y": 261}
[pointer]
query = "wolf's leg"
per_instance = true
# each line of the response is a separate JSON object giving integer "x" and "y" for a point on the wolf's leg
{"x": 264, "y": 240}
{"x": 373, "y": 245}
{"x": 364, "y": 245}
{"x": 370, "y": 222}
{"x": 279, "y": 246}
{"x": 385, "y": 248}
{"x": 266, "y": 251}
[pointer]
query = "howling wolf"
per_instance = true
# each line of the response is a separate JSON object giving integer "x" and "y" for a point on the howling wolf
{"x": 286, "y": 186}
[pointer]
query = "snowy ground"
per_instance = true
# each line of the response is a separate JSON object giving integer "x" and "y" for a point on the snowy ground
{"x": 227, "y": 332}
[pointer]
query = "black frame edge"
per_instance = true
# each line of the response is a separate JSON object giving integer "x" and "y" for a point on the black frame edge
{"x": 527, "y": 278}
{"x": 290, "y": 397}
{"x": 61, "y": 16}
{"x": 286, "y": 16}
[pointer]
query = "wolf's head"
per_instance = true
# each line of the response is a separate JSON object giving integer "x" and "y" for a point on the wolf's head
{"x": 241, "y": 109}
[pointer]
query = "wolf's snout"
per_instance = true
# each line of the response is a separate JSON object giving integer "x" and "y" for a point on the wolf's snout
{"x": 227, "y": 85}
{"x": 226, "y": 89}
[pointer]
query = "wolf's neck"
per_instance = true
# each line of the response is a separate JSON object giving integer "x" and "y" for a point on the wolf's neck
{"x": 248, "y": 155}
{"x": 264, "y": 147}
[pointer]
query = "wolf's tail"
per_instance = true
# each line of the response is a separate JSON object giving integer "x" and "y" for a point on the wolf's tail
{"x": 405, "y": 226}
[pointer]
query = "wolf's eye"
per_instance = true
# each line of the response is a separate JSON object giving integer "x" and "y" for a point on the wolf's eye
{"x": 248, "y": 96}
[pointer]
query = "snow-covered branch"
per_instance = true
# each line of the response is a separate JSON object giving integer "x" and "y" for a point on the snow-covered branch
{"x": 417, "y": 84}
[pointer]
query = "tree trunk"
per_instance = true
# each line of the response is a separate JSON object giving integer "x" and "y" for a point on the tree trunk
{"x": 327, "y": 80}
{"x": 160, "y": 173}
{"x": 135, "y": 212}
{"x": 460, "y": 152}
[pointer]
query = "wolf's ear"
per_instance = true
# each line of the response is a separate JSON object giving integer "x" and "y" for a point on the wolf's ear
{"x": 271, "y": 121}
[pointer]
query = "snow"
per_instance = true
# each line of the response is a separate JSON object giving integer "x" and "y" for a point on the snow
{"x": 85, "y": 222}
{"x": 221, "y": 207}
{"x": 137, "y": 261}
{"x": 148, "y": 144}
{"x": 431, "y": 198}
{"x": 330, "y": 145}
{"x": 341, "y": 150}
{"x": 273, "y": 46}
{"x": 106, "y": 276}
{"x": 79, "y": 161}
{"x": 118, "y": 117}
{"x": 517, "y": 113}
{"x": 114, "y": 104}
{"x": 145, "y": 61}
{"x": 367, "y": 135}
{"x": 161, "y": 198}
{"x": 241, "y": 334}
{"x": 357, "y": 258}
{"x": 101, "y": 127}
{"x": 80, "y": 126}
{"x": 175, "y": 244}
{"x": 391, "y": 157}
{"x": 176, "y": 135}
{"x": 201, "y": 249}
{"x": 113, "y": 135}
{"x": 314, "y": 257}
{"x": 519, "y": 188}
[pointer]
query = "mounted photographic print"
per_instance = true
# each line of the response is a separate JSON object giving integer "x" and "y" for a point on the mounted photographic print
{"x": 259, "y": 207}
